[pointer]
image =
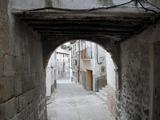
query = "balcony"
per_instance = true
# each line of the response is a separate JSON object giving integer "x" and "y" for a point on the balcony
{"x": 86, "y": 54}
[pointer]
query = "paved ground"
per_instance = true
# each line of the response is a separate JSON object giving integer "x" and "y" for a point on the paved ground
{"x": 64, "y": 80}
{"x": 72, "y": 102}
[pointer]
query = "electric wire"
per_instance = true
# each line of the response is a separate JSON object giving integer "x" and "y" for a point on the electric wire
{"x": 147, "y": 9}
{"x": 153, "y": 5}
{"x": 114, "y": 6}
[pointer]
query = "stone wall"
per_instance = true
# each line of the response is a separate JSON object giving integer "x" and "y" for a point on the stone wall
{"x": 51, "y": 71}
{"x": 5, "y": 94}
{"x": 135, "y": 96}
{"x": 111, "y": 100}
{"x": 100, "y": 82}
{"x": 22, "y": 77}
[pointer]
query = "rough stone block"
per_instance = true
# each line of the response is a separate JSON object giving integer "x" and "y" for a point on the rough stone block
{"x": 2, "y": 112}
{"x": 6, "y": 88}
{"x": 9, "y": 68}
{"x": 20, "y": 103}
{"x": 26, "y": 83}
{"x": 8, "y": 109}
{"x": 24, "y": 100}
{"x": 14, "y": 118}
{"x": 4, "y": 44}
{"x": 21, "y": 65}
{"x": 18, "y": 85}
{"x": 4, "y": 36}
{"x": 1, "y": 64}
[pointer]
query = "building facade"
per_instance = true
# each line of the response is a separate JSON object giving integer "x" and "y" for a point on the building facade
{"x": 86, "y": 56}
{"x": 63, "y": 63}
{"x": 58, "y": 68}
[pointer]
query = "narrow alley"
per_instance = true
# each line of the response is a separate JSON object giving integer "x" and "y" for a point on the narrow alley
{"x": 72, "y": 102}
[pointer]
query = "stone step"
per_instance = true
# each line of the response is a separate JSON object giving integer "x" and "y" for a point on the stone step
{"x": 101, "y": 96}
{"x": 105, "y": 88}
{"x": 104, "y": 92}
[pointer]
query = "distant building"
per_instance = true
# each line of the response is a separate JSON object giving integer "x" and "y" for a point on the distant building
{"x": 89, "y": 65}
{"x": 63, "y": 63}
{"x": 58, "y": 67}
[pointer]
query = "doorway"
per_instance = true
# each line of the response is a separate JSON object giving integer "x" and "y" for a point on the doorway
{"x": 90, "y": 80}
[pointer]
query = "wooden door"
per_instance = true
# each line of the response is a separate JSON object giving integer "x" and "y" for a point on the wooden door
{"x": 156, "y": 99}
{"x": 89, "y": 80}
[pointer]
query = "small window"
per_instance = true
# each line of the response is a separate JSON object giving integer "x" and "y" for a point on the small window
{"x": 75, "y": 62}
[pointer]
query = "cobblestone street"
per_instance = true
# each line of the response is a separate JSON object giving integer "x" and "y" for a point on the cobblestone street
{"x": 72, "y": 102}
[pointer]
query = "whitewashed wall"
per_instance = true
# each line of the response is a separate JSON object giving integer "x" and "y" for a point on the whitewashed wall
{"x": 50, "y": 74}
{"x": 111, "y": 76}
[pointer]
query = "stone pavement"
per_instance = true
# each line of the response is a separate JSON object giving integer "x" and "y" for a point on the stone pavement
{"x": 72, "y": 102}
{"x": 64, "y": 80}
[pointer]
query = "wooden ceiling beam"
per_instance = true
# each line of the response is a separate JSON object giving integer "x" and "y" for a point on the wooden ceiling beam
{"x": 119, "y": 24}
{"x": 87, "y": 25}
{"x": 90, "y": 30}
{"x": 59, "y": 33}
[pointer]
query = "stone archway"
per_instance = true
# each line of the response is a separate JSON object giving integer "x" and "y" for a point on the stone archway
{"x": 98, "y": 82}
{"x": 111, "y": 47}
{"x": 22, "y": 78}
{"x": 107, "y": 28}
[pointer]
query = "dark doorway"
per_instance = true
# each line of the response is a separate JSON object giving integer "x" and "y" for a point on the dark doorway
{"x": 89, "y": 80}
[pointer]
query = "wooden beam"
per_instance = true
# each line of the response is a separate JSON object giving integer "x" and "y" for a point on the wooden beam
{"x": 86, "y": 29}
{"x": 76, "y": 24}
{"x": 52, "y": 33}
{"x": 113, "y": 35}
{"x": 52, "y": 14}
{"x": 105, "y": 19}
{"x": 87, "y": 25}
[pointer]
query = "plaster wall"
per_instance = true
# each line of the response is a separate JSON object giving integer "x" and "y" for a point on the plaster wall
{"x": 51, "y": 74}
{"x": 26, "y": 4}
{"x": 110, "y": 69}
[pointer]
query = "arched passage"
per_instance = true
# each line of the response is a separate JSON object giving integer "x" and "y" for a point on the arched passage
{"x": 112, "y": 48}
{"x": 21, "y": 66}
{"x": 92, "y": 68}
{"x": 58, "y": 26}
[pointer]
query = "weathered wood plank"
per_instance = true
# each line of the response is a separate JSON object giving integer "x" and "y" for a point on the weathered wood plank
{"x": 113, "y": 23}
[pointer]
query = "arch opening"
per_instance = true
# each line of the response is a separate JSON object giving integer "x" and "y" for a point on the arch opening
{"x": 81, "y": 68}
{"x": 108, "y": 46}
